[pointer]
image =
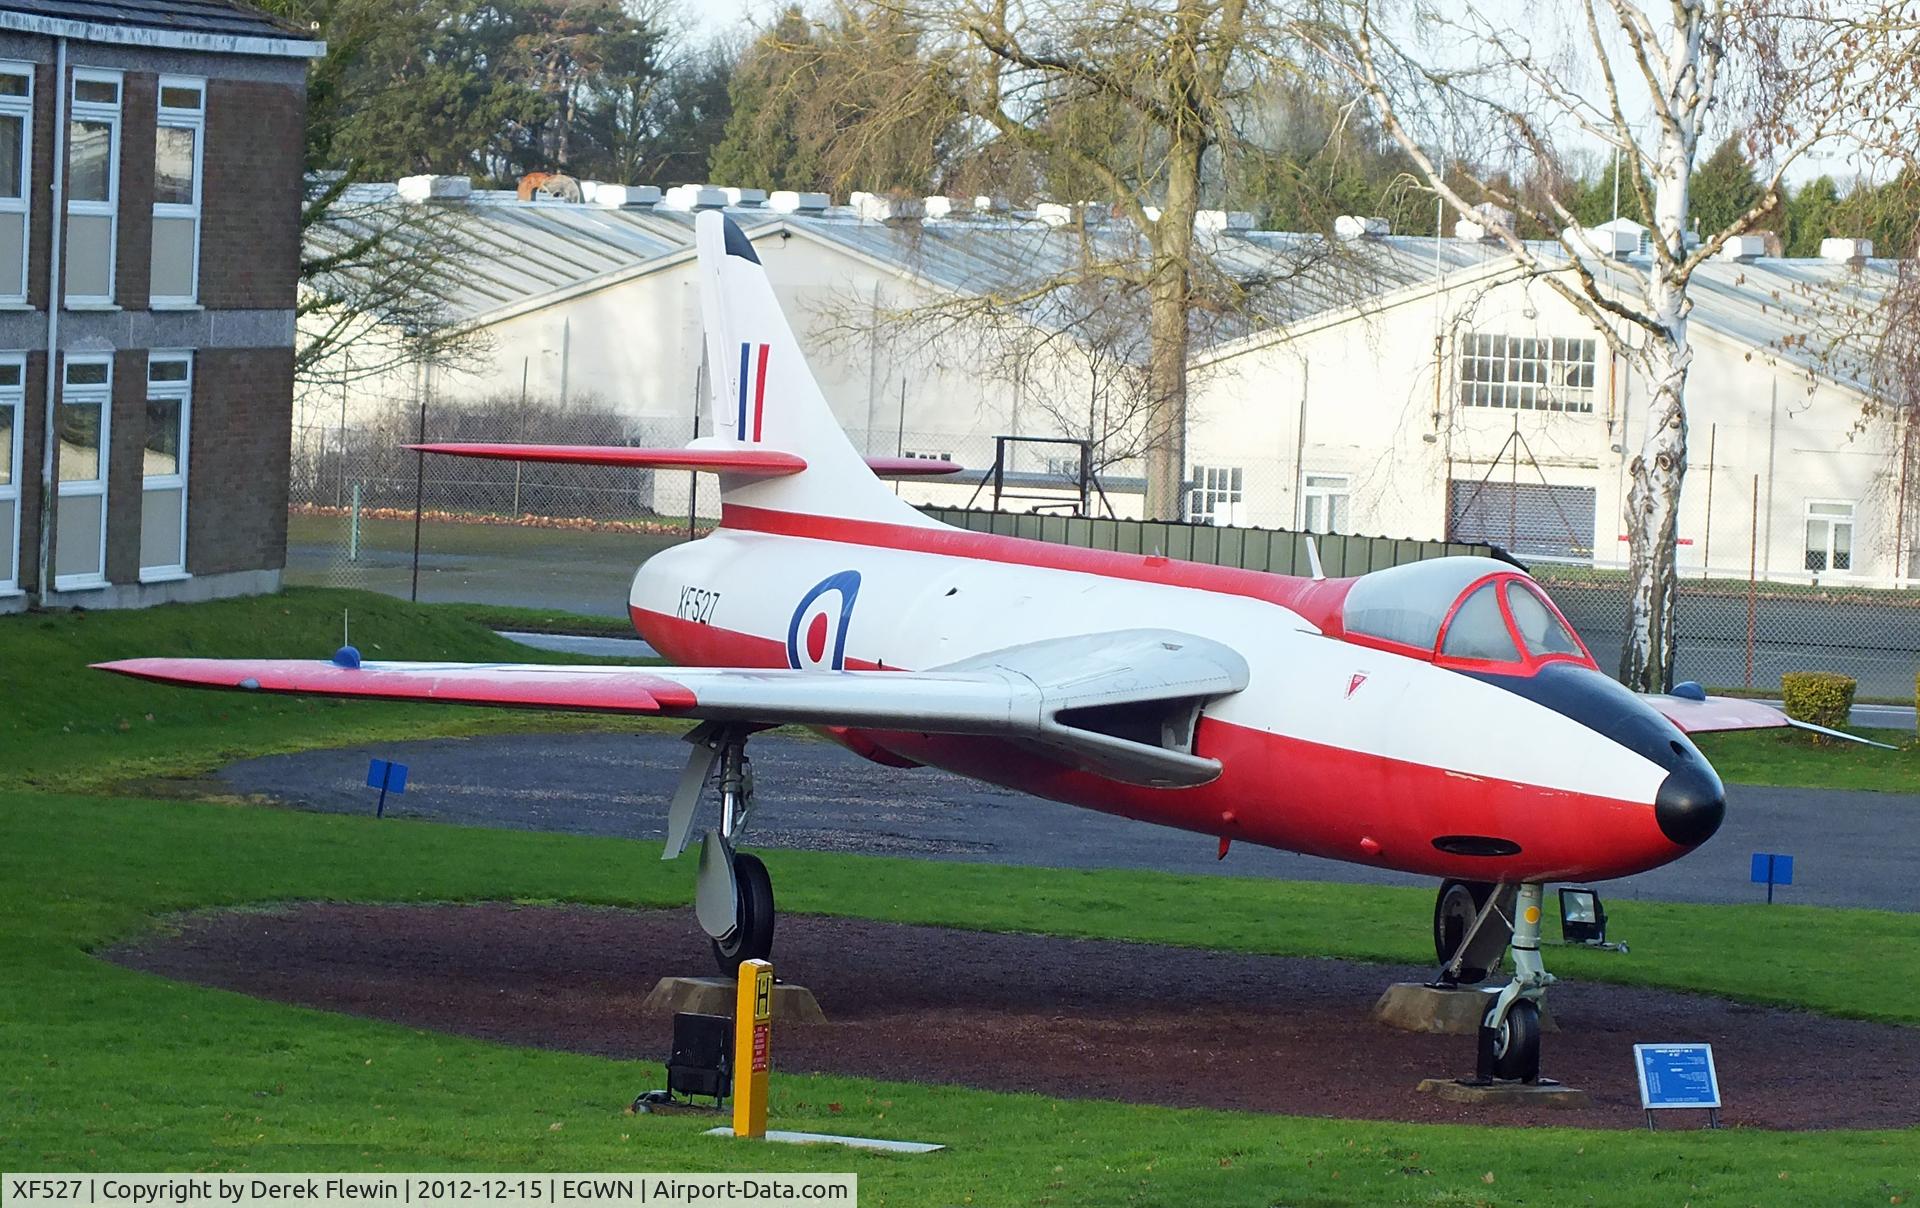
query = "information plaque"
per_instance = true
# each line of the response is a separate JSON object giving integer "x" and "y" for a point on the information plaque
{"x": 1678, "y": 1076}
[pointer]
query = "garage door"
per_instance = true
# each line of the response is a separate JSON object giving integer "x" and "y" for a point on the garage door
{"x": 1529, "y": 520}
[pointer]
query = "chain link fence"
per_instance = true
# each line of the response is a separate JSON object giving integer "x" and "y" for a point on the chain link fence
{"x": 1771, "y": 581}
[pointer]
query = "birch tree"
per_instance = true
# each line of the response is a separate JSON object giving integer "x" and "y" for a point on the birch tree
{"x": 1643, "y": 82}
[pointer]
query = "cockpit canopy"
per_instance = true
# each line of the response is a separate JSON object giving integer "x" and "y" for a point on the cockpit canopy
{"x": 1473, "y": 611}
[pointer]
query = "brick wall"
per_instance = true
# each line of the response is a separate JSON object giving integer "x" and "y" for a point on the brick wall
{"x": 32, "y": 413}
{"x": 40, "y": 216}
{"x": 250, "y": 238}
{"x": 133, "y": 259}
{"x": 125, "y": 463}
{"x": 237, "y": 478}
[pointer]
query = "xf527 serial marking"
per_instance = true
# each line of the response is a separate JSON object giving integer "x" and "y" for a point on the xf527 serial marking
{"x": 1438, "y": 718}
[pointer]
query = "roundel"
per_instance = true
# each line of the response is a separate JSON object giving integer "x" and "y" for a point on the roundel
{"x": 817, "y": 634}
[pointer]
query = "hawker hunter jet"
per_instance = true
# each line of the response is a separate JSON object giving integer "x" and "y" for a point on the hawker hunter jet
{"x": 1439, "y": 718}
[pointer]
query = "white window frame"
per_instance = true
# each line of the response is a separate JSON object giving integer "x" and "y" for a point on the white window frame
{"x": 1323, "y": 488}
{"x": 183, "y": 391}
{"x": 22, "y": 108}
{"x": 97, "y": 111}
{"x": 14, "y": 397}
{"x": 196, "y": 121}
{"x": 1528, "y": 373}
{"x": 1218, "y": 495}
{"x": 1831, "y": 520}
{"x": 89, "y": 393}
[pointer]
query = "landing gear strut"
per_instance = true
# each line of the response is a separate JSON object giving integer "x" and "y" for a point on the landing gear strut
{"x": 1510, "y": 1031}
{"x": 733, "y": 895}
{"x": 1472, "y": 922}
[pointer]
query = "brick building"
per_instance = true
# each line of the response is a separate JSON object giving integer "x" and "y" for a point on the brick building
{"x": 150, "y": 182}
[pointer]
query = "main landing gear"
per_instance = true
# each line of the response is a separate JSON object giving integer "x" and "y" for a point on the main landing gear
{"x": 733, "y": 895}
{"x": 1472, "y": 923}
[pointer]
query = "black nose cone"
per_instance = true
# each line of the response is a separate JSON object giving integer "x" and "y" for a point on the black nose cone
{"x": 1690, "y": 804}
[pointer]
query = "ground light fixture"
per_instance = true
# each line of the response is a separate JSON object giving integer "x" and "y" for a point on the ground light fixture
{"x": 1583, "y": 920}
{"x": 700, "y": 1063}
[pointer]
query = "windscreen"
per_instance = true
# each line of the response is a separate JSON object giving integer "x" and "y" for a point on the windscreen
{"x": 1539, "y": 628}
{"x": 1478, "y": 631}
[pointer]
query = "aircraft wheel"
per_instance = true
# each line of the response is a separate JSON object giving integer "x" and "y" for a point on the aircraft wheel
{"x": 752, "y": 937}
{"x": 1516, "y": 1043}
{"x": 1454, "y": 910}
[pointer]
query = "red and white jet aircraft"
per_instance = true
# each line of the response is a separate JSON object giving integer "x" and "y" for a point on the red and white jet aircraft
{"x": 1438, "y": 718}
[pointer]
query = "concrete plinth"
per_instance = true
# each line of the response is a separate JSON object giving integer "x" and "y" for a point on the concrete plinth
{"x": 1413, "y": 1007}
{"x": 715, "y": 996}
{"x": 1505, "y": 1094}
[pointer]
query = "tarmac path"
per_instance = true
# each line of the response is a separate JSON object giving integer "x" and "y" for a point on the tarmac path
{"x": 1850, "y": 848}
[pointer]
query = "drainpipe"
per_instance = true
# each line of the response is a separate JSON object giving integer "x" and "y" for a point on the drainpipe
{"x": 43, "y": 582}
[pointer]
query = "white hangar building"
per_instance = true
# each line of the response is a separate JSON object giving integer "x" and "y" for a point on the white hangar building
{"x": 1404, "y": 386}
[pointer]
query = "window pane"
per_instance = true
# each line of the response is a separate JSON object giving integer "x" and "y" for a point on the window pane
{"x": 173, "y": 165}
{"x": 12, "y": 132}
{"x": 160, "y": 528}
{"x": 86, "y": 373}
{"x": 7, "y": 416}
{"x": 76, "y": 535}
{"x": 13, "y": 264}
{"x": 79, "y": 442}
{"x": 14, "y": 84}
{"x": 9, "y": 375}
{"x": 89, "y": 164}
{"x": 1843, "y": 547}
{"x": 89, "y": 256}
{"x": 1337, "y": 521}
{"x": 9, "y": 570}
{"x": 174, "y": 369}
{"x": 1478, "y": 631}
{"x": 1539, "y": 628}
{"x": 106, "y": 92}
{"x": 180, "y": 96}
{"x": 172, "y": 275}
{"x": 163, "y": 437}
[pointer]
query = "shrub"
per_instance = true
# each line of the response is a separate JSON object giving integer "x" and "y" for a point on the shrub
{"x": 1820, "y": 697}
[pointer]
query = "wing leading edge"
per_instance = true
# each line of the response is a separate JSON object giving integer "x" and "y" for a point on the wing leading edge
{"x": 1703, "y": 714}
{"x": 1123, "y": 705}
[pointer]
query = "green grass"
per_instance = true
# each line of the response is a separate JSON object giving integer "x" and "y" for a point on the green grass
{"x": 1792, "y": 758}
{"x": 67, "y": 726}
{"x": 103, "y": 1068}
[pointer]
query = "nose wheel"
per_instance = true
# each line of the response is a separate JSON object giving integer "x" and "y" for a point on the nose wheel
{"x": 733, "y": 894}
{"x": 1510, "y": 1030}
{"x": 752, "y": 934}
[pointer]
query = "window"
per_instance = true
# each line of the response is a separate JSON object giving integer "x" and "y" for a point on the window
{"x": 83, "y": 423}
{"x": 1829, "y": 535}
{"x": 177, "y": 139}
{"x": 1526, "y": 372}
{"x": 93, "y": 186}
{"x": 926, "y": 455}
{"x": 1325, "y": 503}
{"x": 13, "y": 368}
{"x": 163, "y": 472}
{"x": 1216, "y": 496}
{"x": 1478, "y": 631}
{"x": 16, "y": 164}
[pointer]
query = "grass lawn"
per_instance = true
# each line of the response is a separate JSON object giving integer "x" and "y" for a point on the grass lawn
{"x": 1794, "y": 758}
{"x": 102, "y": 1068}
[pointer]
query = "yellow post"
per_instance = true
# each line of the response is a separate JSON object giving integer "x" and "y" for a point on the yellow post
{"x": 752, "y": 1047}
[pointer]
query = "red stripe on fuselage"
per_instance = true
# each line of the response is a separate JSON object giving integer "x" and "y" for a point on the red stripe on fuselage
{"x": 1276, "y": 790}
{"x": 1315, "y": 599}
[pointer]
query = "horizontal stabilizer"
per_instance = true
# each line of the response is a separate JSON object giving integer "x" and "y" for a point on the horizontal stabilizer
{"x": 1702, "y": 714}
{"x": 758, "y": 463}
{"x": 912, "y": 467}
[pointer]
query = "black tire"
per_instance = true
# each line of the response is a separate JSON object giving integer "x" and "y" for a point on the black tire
{"x": 1454, "y": 909}
{"x": 1516, "y": 1043}
{"x": 752, "y": 938}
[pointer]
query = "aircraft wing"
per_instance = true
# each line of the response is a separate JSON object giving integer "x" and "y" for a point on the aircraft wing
{"x": 1121, "y": 704}
{"x": 1705, "y": 714}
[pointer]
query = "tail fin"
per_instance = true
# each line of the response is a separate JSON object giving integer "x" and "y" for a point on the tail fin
{"x": 762, "y": 395}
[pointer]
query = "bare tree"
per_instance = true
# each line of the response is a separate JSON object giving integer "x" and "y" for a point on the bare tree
{"x": 1643, "y": 83}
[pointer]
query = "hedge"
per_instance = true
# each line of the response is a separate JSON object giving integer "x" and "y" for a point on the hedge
{"x": 1820, "y": 697}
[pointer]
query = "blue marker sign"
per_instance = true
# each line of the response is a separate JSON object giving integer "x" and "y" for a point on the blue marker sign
{"x": 388, "y": 777}
{"x": 1770, "y": 869}
{"x": 1677, "y": 1076}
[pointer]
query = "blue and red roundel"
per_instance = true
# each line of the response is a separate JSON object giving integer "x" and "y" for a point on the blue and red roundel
{"x": 817, "y": 635}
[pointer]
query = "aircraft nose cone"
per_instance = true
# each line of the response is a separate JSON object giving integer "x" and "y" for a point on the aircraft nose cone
{"x": 1690, "y": 804}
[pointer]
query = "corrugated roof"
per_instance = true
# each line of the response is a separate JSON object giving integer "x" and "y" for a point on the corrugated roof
{"x": 521, "y": 252}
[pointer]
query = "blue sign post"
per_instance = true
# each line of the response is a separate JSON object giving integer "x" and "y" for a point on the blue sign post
{"x": 388, "y": 778}
{"x": 1678, "y": 1076}
{"x": 1771, "y": 869}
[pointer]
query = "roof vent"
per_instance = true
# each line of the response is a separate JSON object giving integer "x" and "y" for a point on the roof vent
{"x": 1216, "y": 221}
{"x": 694, "y": 197}
{"x": 746, "y": 197}
{"x": 1053, "y": 213}
{"x": 789, "y": 202}
{"x": 875, "y": 208}
{"x": 1621, "y": 237}
{"x": 948, "y": 207}
{"x": 1485, "y": 225}
{"x": 1352, "y": 226}
{"x": 985, "y": 204}
{"x": 435, "y": 188}
{"x": 615, "y": 196}
{"x": 1744, "y": 247}
{"x": 1852, "y": 251}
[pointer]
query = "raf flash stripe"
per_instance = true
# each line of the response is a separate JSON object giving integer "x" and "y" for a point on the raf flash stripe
{"x": 760, "y": 392}
{"x": 740, "y": 425}
{"x": 741, "y": 430}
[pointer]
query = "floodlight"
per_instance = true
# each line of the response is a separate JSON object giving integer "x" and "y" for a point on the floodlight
{"x": 702, "y": 1058}
{"x": 1583, "y": 920}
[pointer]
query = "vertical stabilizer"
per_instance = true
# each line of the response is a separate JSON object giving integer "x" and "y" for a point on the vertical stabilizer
{"x": 761, "y": 395}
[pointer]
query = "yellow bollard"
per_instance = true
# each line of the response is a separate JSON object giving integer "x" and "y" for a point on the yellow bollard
{"x": 752, "y": 1047}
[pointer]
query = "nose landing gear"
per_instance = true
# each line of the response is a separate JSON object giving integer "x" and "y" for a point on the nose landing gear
{"x": 1510, "y": 1032}
{"x": 733, "y": 894}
